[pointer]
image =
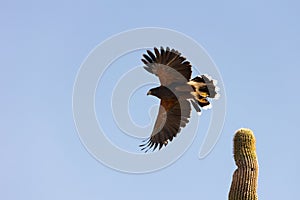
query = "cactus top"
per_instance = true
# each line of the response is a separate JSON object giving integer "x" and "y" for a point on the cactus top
{"x": 244, "y": 148}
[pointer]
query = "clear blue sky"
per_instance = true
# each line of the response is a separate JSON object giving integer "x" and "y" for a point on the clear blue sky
{"x": 255, "y": 45}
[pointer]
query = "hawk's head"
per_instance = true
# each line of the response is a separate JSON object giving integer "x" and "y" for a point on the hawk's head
{"x": 161, "y": 92}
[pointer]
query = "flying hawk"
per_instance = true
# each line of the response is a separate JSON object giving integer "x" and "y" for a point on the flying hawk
{"x": 176, "y": 93}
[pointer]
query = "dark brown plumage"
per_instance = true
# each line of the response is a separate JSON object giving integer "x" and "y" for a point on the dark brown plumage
{"x": 177, "y": 92}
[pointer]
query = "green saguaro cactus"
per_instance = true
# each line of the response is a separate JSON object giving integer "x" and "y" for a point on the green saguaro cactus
{"x": 244, "y": 180}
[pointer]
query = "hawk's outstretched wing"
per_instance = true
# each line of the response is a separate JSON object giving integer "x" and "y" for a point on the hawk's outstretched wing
{"x": 164, "y": 63}
{"x": 173, "y": 114}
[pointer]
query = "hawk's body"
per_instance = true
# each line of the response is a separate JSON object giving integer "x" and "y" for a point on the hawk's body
{"x": 177, "y": 92}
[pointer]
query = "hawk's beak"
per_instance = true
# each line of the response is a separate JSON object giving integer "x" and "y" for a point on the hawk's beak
{"x": 149, "y": 92}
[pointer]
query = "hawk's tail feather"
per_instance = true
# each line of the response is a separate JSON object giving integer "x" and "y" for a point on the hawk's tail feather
{"x": 204, "y": 87}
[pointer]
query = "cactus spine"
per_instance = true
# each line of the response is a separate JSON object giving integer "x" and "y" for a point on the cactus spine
{"x": 244, "y": 180}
